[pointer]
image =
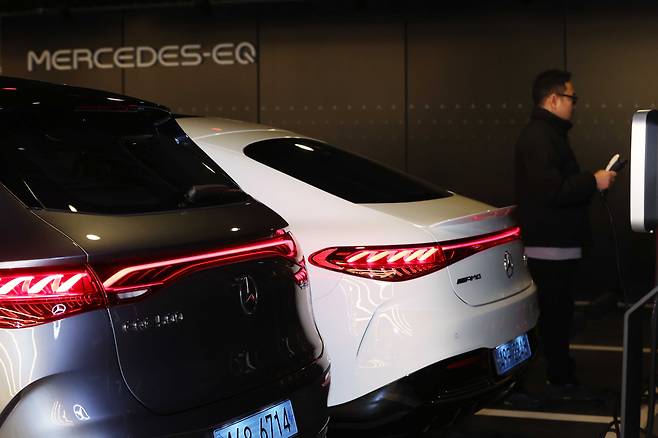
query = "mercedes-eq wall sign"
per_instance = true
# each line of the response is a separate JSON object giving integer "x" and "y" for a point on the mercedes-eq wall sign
{"x": 173, "y": 55}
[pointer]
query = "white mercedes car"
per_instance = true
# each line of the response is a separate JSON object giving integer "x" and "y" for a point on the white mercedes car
{"x": 422, "y": 296}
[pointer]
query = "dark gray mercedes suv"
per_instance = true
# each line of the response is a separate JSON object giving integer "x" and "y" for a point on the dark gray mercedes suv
{"x": 142, "y": 293}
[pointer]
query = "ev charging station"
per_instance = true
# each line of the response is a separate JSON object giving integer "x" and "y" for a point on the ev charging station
{"x": 644, "y": 219}
{"x": 644, "y": 169}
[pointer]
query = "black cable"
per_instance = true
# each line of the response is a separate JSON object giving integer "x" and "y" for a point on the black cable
{"x": 615, "y": 240}
{"x": 615, "y": 425}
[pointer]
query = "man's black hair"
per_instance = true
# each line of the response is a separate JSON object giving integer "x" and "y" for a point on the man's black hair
{"x": 547, "y": 83}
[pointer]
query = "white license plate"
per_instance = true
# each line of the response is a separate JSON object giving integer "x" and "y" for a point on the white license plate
{"x": 277, "y": 421}
{"x": 512, "y": 353}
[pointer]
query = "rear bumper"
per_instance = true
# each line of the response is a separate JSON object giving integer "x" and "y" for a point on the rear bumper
{"x": 418, "y": 325}
{"x": 52, "y": 407}
{"x": 460, "y": 383}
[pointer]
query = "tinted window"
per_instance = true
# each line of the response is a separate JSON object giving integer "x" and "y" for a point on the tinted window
{"x": 106, "y": 160}
{"x": 341, "y": 173}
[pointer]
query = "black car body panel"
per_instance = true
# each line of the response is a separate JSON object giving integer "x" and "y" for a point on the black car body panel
{"x": 148, "y": 236}
{"x": 28, "y": 240}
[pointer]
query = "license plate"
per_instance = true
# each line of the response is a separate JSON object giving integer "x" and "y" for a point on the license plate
{"x": 277, "y": 421}
{"x": 512, "y": 353}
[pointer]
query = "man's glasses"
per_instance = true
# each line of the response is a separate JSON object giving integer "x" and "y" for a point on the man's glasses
{"x": 573, "y": 97}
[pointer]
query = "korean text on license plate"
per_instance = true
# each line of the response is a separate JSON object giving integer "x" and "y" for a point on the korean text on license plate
{"x": 512, "y": 353}
{"x": 277, "y": 421}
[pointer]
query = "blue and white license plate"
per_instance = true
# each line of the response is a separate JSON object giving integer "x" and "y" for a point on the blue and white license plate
{"x": 277, "y": 421}
{"x": 512, "y": 353}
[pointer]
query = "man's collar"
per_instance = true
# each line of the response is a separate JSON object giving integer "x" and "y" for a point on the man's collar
{"x": 539, "y": 113}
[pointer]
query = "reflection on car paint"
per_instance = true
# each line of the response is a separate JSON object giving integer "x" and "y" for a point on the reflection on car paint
{"x": 14, "y": 356}
{"x": 57, "y": 325}
{"x": 58, "y": 414}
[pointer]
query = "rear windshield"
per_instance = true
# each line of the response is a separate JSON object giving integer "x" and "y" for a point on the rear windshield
{"x": 351, "y": 177}
{"x": 106, "y": 160}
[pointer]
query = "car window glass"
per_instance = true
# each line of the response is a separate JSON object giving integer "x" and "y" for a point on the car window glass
{"x": 341, "y": 173}
{"x": 95, "y": 160}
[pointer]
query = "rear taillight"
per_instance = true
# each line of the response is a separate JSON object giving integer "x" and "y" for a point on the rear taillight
{"x": 132, "y": 281}
{"x": 404, "y": 262}
{"x": 32, "y": 297}
{"x": 29, "y": 297}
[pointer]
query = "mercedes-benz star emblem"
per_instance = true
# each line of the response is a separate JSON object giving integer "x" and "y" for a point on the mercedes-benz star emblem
{"x": 248, "y": 294}
{"x": 508, "y": 264}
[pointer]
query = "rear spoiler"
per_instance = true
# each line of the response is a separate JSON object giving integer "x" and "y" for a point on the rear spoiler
{"x": 490, "y": 220}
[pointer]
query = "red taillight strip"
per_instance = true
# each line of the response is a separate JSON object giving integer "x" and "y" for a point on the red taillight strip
{"x": 404, "y": 262}
{"x": 32, "y": 296}
{"x": 157, "y": 273}
{"x": 486, "y": 241}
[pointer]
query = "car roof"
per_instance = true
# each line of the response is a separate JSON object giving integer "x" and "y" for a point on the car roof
{"x": 199, "y": 128}
{"x": 220, "y": 125}
{"x": 17, "y": 92}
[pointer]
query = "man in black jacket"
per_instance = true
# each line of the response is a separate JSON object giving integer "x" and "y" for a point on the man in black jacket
{"x": 552, "y": 194}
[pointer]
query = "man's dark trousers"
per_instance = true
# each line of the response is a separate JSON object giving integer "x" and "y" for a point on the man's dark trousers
{"x": 554, "y": 279}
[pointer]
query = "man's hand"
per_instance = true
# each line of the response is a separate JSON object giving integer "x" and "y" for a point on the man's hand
{"x": 604, "y": 179}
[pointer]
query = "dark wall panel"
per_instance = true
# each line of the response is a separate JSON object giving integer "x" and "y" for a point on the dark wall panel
{"x": 341, "y": 80}
{"x": 61, "y": 32}
{"x": 208, "y": 88}
{"x": 470, "y": 75}
{"x": 614, "y": 62}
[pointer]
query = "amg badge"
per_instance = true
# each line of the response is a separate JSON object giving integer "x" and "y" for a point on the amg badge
{"x": 470, "y": 278}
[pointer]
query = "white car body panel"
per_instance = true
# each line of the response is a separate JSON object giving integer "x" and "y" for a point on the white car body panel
{"x": 377, "y": 332}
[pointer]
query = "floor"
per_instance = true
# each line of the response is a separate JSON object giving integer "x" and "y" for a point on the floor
{"x": 596, "y": 347}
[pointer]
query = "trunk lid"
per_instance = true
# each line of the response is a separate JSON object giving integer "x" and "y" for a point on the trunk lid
{"x": 487, "y": 276}
{"x": 192, "y": 341}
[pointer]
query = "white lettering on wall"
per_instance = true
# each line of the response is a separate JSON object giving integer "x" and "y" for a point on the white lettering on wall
{"x": 173, "y": 55}
{"x": 32, "y": 58}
